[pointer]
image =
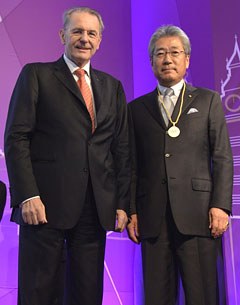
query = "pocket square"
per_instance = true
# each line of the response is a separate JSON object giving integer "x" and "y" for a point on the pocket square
{"x": 192, "y": 110}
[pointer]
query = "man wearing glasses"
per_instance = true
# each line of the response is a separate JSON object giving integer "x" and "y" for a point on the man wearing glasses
{"x": 182, "y": 177}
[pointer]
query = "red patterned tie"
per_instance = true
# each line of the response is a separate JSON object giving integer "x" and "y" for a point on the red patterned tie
{"x": 86, "y": 93}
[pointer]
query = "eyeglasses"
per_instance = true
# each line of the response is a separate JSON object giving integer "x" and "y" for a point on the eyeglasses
{"x": 163, "y": 53}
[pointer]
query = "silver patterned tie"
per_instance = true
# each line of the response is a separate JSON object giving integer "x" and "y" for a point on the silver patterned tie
{"x": 168, "y": 103}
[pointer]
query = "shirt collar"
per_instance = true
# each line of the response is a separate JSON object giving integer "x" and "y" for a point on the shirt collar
{"x": 73, "y": 67}
{"x": 176, "y": 88}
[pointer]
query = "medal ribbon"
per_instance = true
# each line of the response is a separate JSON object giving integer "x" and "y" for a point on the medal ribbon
{"x": 180, "y": 110}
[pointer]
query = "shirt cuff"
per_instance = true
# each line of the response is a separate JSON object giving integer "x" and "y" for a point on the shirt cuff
{"x": 22, "y": 203}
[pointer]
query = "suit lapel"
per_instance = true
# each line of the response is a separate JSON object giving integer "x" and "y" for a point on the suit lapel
{"x": 151, "y": 103}
{"x": 64, "y": 75}
{"x": 97, "y": 87}
{"x": 188, "y": 98}
{"x": 99, "y": 91}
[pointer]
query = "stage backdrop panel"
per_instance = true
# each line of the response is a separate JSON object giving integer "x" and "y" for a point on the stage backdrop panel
{"x": 29, "y": 32}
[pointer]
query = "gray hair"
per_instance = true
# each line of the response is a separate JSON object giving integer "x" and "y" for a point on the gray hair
{"x": 67, "y": 14}
{"x": 166, "y": 31}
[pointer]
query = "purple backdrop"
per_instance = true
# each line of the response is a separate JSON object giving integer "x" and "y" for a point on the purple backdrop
{"x": 29, "y": 32}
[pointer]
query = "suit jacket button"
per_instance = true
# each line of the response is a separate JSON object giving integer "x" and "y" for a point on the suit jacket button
{"x": 164, "y": 181}
{"x": 85, "y": 170}
{"x": 167, "y": 155}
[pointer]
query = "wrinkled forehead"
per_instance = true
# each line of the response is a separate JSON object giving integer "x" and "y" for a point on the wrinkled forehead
{"x": 168, "y": 42}
{"x": 83, "y": 20}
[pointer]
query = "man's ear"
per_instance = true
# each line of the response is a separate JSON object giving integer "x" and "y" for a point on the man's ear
{"x": 188, "y": 61}
{"x": 99, "y": 42}
{"x": 62, "y": 36}
{"x": 151, "y": 60}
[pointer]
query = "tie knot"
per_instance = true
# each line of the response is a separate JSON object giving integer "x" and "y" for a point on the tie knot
{"x": 80, "y": 72}
{"x": 168, "y": 92}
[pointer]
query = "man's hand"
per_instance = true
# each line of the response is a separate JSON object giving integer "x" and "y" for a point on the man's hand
{"x": 132, "y": 228}
{"x": 33, "y": 212}
{"x": 121, "y": 220}
{"x": 218, "y": 221}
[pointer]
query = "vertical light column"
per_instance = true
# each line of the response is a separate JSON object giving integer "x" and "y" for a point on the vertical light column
{"x": 147, "y": 16}
{"x": 226, "y": 50}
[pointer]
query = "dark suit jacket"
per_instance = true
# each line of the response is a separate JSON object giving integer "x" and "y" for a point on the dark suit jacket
{"x": 3, "y": 195}
{"x": 193, "y": 171}
{"x": 51, "y": 152}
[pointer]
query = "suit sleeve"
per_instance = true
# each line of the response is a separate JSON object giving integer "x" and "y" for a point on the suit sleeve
{"x": 121, "y": 151}
{"x": 222, "y": 161}
{"x": 133, "y": 185}
{"x": 18, "y": 132}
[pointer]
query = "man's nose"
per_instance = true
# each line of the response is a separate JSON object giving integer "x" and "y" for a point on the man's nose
{"x": 84, "y": 36}
{"x": 167, "y": 61}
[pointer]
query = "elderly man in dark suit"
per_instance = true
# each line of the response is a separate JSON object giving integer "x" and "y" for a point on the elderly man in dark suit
{"x": 67, "y": 154}
{"x": 182, "y": 177}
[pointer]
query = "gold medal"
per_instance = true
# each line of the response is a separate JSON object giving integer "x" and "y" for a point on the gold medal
{"x": 173, "y": 131}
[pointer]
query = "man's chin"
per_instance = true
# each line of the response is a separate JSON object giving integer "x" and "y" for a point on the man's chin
{"x": 167, "y": 79}
{"x": 81, "y": 60}
{"x": 168, "y": 82}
